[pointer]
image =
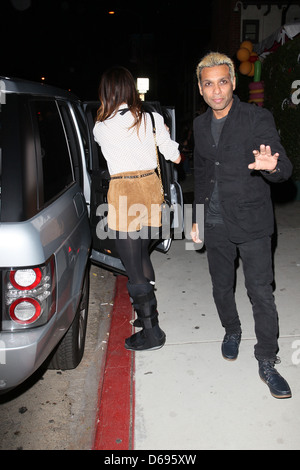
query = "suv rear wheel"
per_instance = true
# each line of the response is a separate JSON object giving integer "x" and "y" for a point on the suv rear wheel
{"x": 69, "y": 351}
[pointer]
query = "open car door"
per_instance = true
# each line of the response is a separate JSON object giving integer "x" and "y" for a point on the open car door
{"x": 103, "y": 251}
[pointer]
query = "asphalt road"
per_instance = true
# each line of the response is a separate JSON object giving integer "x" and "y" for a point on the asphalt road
{"x": 55, "y": 410}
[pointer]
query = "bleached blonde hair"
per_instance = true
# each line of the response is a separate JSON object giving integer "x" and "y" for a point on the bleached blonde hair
{"x": 213, "y": 59}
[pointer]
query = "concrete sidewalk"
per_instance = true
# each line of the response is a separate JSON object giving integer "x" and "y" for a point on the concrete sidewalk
{"x": 186, "y": 395}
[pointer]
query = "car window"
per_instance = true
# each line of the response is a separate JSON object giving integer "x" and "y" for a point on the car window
{"x": 53, "y": 147}
{"x": 82, "y": 125}
{"x": 18, "y": 168}
{"x": 0, "y": 177}
{"x": 1, "y": 143}
{"x": 99, "y": 162}
{"x": 72, "y": 139}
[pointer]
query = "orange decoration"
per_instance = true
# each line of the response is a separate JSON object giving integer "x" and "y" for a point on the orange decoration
{"x": 245, "y": 67}
{"x": 247, "y": 45}
{"x": 251, "y": 73}
{"x": 243, "y": 54}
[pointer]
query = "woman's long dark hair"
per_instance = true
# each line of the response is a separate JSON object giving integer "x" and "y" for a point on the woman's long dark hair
{"x": 117, "y": 86}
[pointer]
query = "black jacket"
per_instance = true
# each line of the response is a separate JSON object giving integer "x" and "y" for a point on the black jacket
{"x": 244, "y": 195}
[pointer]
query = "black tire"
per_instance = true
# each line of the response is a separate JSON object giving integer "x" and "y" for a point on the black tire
{"x": 69, "y": 352}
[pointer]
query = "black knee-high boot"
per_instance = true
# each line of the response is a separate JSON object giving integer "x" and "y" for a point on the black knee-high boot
{"x": 144, "y": 302}
{"x": 137, "y": 322}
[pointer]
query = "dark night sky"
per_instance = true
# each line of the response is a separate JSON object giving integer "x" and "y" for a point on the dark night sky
{"x": 71, "y": 42}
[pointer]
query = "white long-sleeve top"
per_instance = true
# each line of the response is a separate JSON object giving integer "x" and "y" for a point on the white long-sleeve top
{"x": 125, "y": 150}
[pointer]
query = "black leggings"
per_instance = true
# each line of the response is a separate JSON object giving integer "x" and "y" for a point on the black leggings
{"x": 134, "y": 253}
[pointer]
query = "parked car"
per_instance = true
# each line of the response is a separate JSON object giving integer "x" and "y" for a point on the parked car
{"x": 53, "y": 182}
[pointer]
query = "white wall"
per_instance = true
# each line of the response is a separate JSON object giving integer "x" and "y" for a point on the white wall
{"x": 272, "y": 21}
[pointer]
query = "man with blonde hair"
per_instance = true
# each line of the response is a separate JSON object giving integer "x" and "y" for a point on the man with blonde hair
{"x": 237, "y": 155}
{"x": 213, "y": 59}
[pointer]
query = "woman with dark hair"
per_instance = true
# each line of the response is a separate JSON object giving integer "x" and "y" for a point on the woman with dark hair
{"x": 125, "y": 134}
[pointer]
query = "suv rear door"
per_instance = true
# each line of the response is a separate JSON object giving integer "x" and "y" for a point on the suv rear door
{"x": 103, "y": 249}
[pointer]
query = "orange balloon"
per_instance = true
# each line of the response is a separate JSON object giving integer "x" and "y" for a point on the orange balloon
{"x": 248, "y": 45}
{"x": 243, "y": 54}
{"x": 245, "y": 67}
{"x": 251, "y": 73}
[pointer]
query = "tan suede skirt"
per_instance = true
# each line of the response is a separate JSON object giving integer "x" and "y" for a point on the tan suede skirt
{"x": 134, "y": 202}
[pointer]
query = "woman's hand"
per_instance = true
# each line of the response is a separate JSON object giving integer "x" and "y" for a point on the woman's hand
{"x": 195, "y": 234}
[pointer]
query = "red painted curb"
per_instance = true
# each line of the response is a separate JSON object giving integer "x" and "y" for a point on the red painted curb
{"x": 115, "y": 418}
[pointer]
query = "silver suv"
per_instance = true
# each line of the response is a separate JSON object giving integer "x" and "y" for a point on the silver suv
{"x": 53, "y": 187}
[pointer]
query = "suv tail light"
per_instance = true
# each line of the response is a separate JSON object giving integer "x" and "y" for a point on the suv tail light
{"x": 29, "y": 296}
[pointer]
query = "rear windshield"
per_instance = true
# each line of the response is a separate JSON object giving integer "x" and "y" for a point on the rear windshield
{"x": 11, "y": 162}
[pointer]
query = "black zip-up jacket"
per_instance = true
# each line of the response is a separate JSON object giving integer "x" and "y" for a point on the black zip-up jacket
{"x": 244, "y": 195}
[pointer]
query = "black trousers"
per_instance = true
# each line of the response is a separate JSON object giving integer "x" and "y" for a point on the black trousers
{"x": 133, "y": 249}
{"x": 256, "y": 256}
